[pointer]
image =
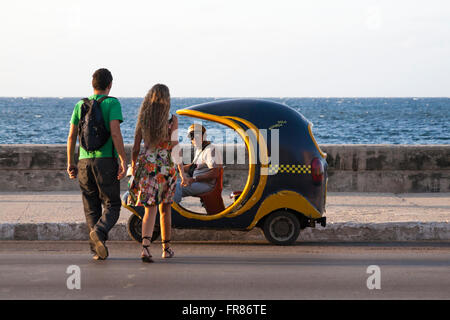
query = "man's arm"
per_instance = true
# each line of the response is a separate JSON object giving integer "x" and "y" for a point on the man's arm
{"x": 208, "y": 176}
{"x": 213, "y": 160}
{"x": 71, "y": 142}
{"x": 117, "y": 139}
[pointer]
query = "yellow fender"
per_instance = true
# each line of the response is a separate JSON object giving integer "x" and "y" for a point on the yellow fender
{"x": 285, "y": 199}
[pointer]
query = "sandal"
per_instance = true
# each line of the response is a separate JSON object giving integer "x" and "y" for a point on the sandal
{"x": 167, "y": 252}
{"x": 148, "y": 257}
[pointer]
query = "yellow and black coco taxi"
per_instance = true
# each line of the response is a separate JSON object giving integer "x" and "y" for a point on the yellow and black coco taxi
{"x": 287, "y": 177}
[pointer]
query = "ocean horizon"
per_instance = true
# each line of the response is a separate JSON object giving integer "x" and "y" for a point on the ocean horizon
{"x": 336, "y": 120}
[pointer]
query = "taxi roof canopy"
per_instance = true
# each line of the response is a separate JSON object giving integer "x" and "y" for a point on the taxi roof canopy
{"x": 262, "y": 113}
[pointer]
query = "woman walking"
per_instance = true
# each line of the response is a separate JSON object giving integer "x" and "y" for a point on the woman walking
{"x": 153, "y": 168}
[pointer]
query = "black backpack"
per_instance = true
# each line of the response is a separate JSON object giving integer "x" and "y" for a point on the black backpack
{"x": 91, "y": 128}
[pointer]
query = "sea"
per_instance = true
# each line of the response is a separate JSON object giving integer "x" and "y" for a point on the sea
{"x": 410, "y": 121}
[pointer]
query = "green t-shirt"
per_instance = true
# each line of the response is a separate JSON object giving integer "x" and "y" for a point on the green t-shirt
{"x": 111, "y": 110}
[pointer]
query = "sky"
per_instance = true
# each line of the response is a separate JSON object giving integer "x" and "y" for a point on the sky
{"x": 227, "y": 48}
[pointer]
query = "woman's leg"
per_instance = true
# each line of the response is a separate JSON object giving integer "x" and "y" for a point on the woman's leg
{"x": 165, "y": 220}
{"x": 165, "y": 213}
{"x": 148, "y": 225}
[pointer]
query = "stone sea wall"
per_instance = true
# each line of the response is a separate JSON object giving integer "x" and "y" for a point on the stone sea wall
{"x": 351, "y": 168}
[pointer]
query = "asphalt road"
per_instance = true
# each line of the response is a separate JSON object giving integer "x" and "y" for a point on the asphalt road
{"x": 226, "y": 270}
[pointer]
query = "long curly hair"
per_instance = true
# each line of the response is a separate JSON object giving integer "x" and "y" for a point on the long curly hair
{"x": 153, "y": 116}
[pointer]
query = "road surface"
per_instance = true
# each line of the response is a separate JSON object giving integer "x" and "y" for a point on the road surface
{"x": 226, "y": 270}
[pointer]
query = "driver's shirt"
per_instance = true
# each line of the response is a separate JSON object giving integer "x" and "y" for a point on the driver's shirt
{"x": 206, "y": 160}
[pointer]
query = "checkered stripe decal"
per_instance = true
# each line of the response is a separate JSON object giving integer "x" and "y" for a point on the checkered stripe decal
{"x": 290, "y": 168}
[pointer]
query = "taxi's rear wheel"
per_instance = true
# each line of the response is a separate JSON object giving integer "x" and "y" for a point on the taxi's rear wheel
{"x": 134, "y": 229}
{"x": 281, "y": 228}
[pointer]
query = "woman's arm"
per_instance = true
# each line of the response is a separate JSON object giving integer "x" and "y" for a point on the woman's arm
{"x": 175, "y": 149}
{"x": 174, "y": 132}
{"x": 136, "y": 147}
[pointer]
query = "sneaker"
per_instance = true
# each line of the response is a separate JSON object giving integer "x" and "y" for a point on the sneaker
{"x": 100, "y": 248}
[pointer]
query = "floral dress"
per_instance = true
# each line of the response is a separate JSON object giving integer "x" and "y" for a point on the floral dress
{"x": 155, "y": 176}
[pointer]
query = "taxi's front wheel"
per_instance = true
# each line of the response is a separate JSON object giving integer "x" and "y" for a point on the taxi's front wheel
{"x": 281, "y": 228}
{"x": 134, "y": 229}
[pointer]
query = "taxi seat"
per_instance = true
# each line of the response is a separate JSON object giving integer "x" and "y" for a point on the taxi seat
{"x": 212, "y": 200}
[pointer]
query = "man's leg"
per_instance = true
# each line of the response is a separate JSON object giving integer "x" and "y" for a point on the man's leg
{"x": 195, "y": 189}
{"x": 109, "y": 191}
{"x": 92, "y": 203}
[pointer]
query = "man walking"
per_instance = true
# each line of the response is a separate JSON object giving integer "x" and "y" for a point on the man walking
{"x": 98, "y": 170}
